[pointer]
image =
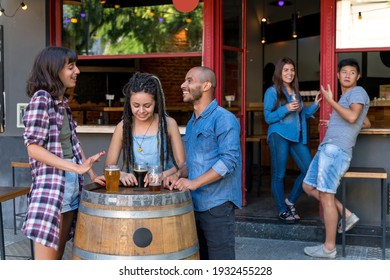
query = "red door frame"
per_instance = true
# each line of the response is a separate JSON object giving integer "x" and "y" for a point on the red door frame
{"x": 327, "y": 55}
{"x": 213, "y": 57}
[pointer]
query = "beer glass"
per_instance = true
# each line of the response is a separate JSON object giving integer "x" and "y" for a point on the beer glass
{"x": 140, "y": 169}
{"x": 112, "y": 175}
{"x": 155, "y": 176}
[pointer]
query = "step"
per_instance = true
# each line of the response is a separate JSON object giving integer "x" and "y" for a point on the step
{"x": 305, "y": 230}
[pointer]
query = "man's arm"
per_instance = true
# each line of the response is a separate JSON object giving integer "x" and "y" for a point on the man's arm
{"x": 350, "y": 114}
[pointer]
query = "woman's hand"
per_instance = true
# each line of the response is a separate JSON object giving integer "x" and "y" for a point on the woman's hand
{"x": 101, "y": 180}
{"x": 318, "y": 98}
{"x": 87, "y": 165}
{"x": 128, "y": 179}
{"x": 293, "y": 106}
{"x": 97, "y": 179}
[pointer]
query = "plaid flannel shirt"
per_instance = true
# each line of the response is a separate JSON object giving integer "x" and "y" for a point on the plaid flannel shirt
{"x": 43, "y": 122}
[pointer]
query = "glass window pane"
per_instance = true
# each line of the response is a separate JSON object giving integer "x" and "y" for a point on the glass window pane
{"x": 232, "y": 23}
{"x": 94, "y": 28}
{"x": 232, "y": 78}
{"x": 361, "y": 24}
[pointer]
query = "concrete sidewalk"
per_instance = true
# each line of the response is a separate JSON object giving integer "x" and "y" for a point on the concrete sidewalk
{"x": 246, "y": 249}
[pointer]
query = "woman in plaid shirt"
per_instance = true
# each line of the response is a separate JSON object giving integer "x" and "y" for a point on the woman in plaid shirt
{"x": 56, "y": 158}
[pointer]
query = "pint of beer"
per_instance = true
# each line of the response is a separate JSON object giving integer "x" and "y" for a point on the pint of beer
{"x": 155, "y": 177}
{"x": 140, "y": 169}
{"x": 112, "y": 175}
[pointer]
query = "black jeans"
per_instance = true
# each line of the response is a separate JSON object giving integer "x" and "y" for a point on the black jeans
{"x": 215, "y": 228}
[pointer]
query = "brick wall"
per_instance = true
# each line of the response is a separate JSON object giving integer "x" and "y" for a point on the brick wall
{"x": 91, "y": 88}
{"x": 171, "y": 72}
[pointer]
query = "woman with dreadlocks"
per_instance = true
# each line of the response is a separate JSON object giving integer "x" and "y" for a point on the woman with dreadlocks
{"x": 146, "y": 133}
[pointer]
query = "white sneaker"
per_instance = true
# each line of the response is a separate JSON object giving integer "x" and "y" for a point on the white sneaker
{"x": 318, "y": 251}
{"x": 349, "y": 223}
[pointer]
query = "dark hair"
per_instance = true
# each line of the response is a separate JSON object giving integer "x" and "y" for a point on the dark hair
{"x": 349, "y": 62}
{"x": 278, "y": 81}
{"x": 147, "y": 83}
{"x": 45, "y": 71}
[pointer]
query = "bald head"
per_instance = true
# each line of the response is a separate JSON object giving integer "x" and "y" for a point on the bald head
{"x": 205, "y": 74}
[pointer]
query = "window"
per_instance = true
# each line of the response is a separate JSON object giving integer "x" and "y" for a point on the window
{"x": 99, "y": 27}
{"x": 362, "y": 24}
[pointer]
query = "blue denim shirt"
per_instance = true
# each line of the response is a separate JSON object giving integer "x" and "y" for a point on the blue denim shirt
{"x": 213, "y": 141}
{"x": 287, "y": 124}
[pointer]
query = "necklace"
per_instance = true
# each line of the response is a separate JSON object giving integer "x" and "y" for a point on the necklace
{"x": 139, "y": 149}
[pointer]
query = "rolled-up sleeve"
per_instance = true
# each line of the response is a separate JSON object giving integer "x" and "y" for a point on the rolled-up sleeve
{"x": 228, "y": 138}
{"x": 36, "y": 121}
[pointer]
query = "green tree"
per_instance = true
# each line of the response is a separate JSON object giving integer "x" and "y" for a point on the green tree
{"x": 131, "y": 30}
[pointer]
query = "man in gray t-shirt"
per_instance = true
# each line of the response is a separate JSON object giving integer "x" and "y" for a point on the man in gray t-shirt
{"x": 334, "y": 154}
{"x": 341, "y": 132}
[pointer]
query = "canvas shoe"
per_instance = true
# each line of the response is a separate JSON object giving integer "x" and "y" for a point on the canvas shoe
{"x": 318, "y": 251}
{"x": 349, "y": 223}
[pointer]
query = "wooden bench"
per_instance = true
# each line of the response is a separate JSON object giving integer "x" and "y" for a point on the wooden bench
{"x": 366, "y": 173}
{"x": 251, "y": 140}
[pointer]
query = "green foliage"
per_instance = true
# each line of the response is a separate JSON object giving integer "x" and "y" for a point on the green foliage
{"x": 131, "y": 30}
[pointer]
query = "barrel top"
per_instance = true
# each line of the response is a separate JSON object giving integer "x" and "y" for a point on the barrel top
{"x": 130, "y": 196}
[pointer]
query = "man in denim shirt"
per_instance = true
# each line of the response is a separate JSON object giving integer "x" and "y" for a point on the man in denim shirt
{"x": 213, "y": 150}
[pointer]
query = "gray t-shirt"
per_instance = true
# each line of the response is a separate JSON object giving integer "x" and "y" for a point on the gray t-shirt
{"x": 340, "y": 132}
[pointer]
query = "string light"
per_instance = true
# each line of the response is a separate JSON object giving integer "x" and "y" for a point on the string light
{"x": 263, "y": 28}
{"x": 21, "y": 5}
{"x": 294, "y": 33}
{"x": 263, "y": 25}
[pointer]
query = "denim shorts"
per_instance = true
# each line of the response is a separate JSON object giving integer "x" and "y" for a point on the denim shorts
{"x": 71, "y": 198}
{"x": 327, "y": 168}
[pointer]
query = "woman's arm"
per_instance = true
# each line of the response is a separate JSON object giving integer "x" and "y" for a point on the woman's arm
{"x": 279, "y": 113}
{"x": 39, "y": 153}
{"x": 91, "y": 173}
{"x": 173, "y": 174}
{"x": 115, "y": 148}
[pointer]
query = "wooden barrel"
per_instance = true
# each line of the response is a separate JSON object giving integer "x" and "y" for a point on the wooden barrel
{"x": 135, "y": 225}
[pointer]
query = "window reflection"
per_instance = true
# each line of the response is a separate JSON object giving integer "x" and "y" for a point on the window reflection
{"x": 94, "y": 28}
{"x": 361, "y": 24}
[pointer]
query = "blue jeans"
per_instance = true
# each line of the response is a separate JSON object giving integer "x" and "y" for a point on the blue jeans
{"x": 215, "y": 228}
{"x": 280, "y": 148}
{"x": 71, "y": 198}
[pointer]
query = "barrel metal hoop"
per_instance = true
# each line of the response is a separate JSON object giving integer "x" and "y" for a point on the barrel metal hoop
{"x": 171, "y": 256}
{"x": 135, "y": 214}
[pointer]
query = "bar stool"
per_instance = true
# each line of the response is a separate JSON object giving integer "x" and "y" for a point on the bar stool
{"x": 17, "y": 215}
{"x": 367, "y": 173}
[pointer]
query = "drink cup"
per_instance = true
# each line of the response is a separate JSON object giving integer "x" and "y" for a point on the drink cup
{"x": 155, "y": 176}
{"x": 112, "y": 175}
{"x": 140, "y": 169}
